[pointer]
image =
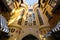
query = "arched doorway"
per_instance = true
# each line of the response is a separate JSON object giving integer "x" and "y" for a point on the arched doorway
{"x": 30, "y": 37}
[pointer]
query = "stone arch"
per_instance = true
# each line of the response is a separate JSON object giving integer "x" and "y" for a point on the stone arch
{"x": 29, "y": 37}
{"x": 35, "y": 6}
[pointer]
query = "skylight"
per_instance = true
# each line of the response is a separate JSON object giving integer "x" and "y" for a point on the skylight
{"x": 31, "y": 2}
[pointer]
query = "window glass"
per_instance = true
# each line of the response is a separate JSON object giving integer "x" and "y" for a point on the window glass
{"x": 34, "y": 22}
{"x": 31, "y": 2}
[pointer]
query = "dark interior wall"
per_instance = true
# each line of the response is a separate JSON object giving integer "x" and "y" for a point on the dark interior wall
{"x": 4, "y": 10}
{"x": 21, "y": 1}
{"x": 4, "y": 7}
{"x": 57, "y": 7}
{"x": 39, "y": 2}
{"x": 56, "y": 35}
{"x": 30, "y": 37}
